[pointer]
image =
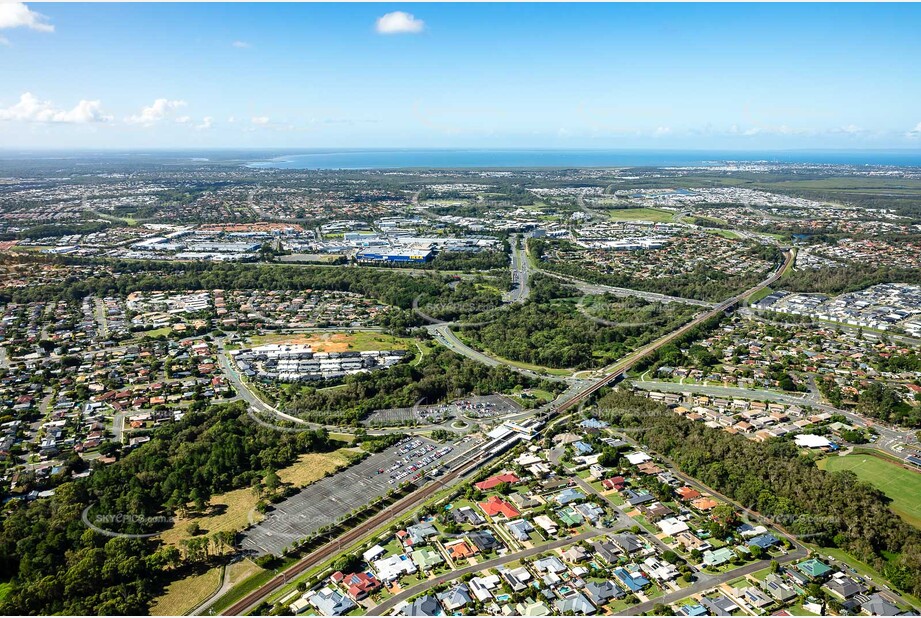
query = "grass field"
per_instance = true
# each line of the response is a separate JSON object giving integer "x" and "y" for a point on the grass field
{"x": 640, "y": 214}
{"x": 185, "y": 594}
{"x": 901, "y": 485}
{"x": 166, "y": 330}
{"x": 763, "y": 292}
{"x": 339, "y": 342}
{"x": 724, "y": 233}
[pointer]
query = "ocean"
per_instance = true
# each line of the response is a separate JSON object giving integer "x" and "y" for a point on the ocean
{"x": 459, "y": 159}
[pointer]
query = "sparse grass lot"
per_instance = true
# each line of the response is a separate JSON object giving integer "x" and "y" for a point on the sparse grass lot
{"x": 183, "y": 595}
{"x": 641, "y": 214}
{"x": 229, "y": 511}
{"x": 903, "y": 486}
{"x": 157, "y": 332}
{"x": 313, "y": 466}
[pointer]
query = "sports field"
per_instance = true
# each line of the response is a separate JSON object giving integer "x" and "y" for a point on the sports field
{"x": 903, "y": 486}
{"x": 640, "y": 214}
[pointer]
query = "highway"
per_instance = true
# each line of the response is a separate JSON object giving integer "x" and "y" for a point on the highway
{"x": 421, "y": 495}
{"x": 617, "y": 371}
{"x": 446, "y": 337}
{"x": 596, "y": 288}
{"x": 521, "y": 271}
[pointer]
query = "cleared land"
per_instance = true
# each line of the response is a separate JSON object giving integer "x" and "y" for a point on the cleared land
{"x": 339, "y": 342}
{"x": 312, "y": 467}
{"x": 183, "y": 595}
{"x": 903, "y": 486}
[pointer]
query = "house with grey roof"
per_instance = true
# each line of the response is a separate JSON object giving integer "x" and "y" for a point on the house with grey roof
{"x": 575, "y": 604}
{"x": 550, "y": 564}
{"x": 330, "y": 602}
{"x": 426, "y": 605}
{"x": 455, "y": 598}
{"x": 602, "y": 592}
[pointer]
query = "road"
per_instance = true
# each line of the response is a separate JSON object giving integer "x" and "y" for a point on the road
{"x": 392, "y": 602}
{"x": 422, "y": 494}
{"x": 617, "y": 371}
{"x": 383, "y": 518}
{"x": 889, "y": 437}
{"x": 244, "y": 391}
{"x": 596, "y": 288}
{"x": 702, "y": 586}
{"x": 521, "y": 271}
{"x": 847, "y": 328}
{"x": 99, "y": 312}
{"x": 446, "y": 337}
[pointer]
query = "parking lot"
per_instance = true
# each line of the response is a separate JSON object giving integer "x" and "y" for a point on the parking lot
{"x": 327, "y": 500}
{"x": 489, "y": 406}
{"x": 426, "y": 415}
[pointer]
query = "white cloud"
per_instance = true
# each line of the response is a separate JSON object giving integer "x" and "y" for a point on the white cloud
{"x": 184, "y": 120}
{"x": 18, "y": 15}
{"x": 662, "y": 131}
{"x": 31, "y": 109}
{"x": 260, "y": 120}
{"x": 160, "y": 109}
{"x": 851, "y": 129}
{"x": 206, "y": 123}
{"x": 399, "y": 22}
{"x": 915, "y": 133}
{"x": 241, "y": 44}
{"x": 5, "y": 41}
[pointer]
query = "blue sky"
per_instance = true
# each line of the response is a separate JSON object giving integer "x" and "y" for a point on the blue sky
{"x": 728, "y": 76}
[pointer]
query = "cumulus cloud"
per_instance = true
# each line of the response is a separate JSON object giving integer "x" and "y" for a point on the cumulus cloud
{"x": 851, "y": 129}
{"x": 399, "y": 22}
{"x": 206, "y": 123}
{"x": 18, "y": 15}
{"x": 31, "y": 109}
{"x": 915, "y": 133}
{"x": 160, "y": 109}
{"x": 241, "y": 44}
{"x": 260, "y": 120}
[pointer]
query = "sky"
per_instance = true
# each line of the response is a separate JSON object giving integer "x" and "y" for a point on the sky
{"x": 656, "y": 76}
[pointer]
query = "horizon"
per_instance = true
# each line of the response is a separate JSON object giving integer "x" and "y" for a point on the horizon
{"x": 484, "y": 76}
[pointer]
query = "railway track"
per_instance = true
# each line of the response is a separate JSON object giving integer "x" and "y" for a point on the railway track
{"x": 421, "y": 495}
{"x": 334, "y": 547}
{"x": 621, "y": 368}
